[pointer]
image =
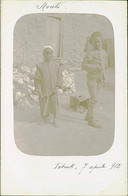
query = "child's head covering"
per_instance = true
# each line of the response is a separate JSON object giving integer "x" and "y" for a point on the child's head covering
{"x": 47, "y": 47}
{"x": 93, "y": 36}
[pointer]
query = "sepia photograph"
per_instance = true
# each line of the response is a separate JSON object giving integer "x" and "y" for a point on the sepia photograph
{"x": 63, "y": 98}
{"x": 63, "y": 84}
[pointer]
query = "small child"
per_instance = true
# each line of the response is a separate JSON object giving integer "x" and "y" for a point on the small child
{"x": 47, "y": 81}
{"x": 95, "y": 63}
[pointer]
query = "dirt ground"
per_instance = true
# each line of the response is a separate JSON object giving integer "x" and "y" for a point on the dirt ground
{"x": 73, "y": 137}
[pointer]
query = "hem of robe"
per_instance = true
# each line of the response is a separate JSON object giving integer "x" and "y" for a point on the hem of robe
{"x": 48, "y": 105}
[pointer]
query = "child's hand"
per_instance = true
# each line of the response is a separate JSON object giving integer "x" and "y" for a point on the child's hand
{"x": 38, "y": 93}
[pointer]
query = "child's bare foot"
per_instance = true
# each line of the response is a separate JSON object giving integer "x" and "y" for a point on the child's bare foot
{"x": 93, "y": 123}
{"x": 86, "y": 117}
{"x": 55, "y": 124}
{"x": 45, "y": 120}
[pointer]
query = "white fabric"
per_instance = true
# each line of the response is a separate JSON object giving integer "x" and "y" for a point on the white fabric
{"x": 48, "y": 47}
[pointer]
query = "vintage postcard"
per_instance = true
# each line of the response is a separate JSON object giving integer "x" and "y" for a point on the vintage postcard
{"x": 64, "y": 71}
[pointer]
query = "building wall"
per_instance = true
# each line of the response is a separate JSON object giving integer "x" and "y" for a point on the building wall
{"x": 76, "y": 31}
{"x": 30, "y": 36}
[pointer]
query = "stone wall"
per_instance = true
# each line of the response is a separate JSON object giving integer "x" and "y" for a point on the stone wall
{"x": 30, "y": 36}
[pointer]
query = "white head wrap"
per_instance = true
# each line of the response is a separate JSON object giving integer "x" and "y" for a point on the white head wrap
{"x": 47, "y": 47}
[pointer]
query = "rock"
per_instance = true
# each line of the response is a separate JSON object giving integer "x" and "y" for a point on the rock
{"x": 26, "y": 78}
{"x": 34, "y": 69}
{"x": 17, "y": 96}
{"x": 24, "y": 85}
{"x": 22, "y": 95}
{"x": 31, "y": 87}
{"x": 25, "y": 69}
{"x": 68, "y": 80}
{"x": 19, "y": 80}
{"x": 32, "y": 82}
{"x": 29, "y": 91}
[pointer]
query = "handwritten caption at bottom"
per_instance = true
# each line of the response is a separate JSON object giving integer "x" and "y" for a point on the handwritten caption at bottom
{"x": 90, "y": 168}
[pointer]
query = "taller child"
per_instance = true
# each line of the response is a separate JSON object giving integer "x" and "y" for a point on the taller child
{"x": 95, "y": 63}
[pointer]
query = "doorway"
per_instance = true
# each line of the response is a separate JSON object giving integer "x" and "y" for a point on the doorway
{"x": 54, "y": 34}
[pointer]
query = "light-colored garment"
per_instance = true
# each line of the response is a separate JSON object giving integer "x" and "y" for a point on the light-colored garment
{"x": 92, "y": 60}
{"x": 95, "y": 76}
{"x": 47, "y": 80}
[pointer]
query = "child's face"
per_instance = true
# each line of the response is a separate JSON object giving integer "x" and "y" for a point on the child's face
{"x": 48, "y": 54}
{"x": 98, "y": 43}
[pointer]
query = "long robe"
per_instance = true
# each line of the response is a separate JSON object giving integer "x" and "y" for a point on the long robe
{"x": 47, "y": 81}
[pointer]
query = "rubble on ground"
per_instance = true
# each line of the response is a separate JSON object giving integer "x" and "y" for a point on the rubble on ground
{"x": 23, "y": 84}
